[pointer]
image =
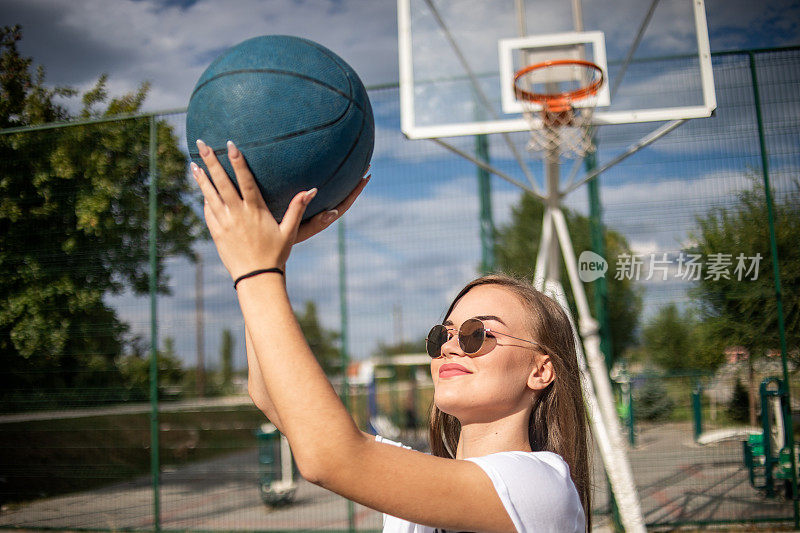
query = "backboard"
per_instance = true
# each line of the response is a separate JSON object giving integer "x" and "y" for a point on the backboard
{"x": 458, "y": 58}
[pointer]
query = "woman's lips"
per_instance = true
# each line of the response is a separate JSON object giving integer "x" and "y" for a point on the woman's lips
{"x": 452, "y": 369}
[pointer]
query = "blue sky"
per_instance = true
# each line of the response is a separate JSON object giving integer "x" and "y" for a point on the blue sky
{"x": 412, "y": 237}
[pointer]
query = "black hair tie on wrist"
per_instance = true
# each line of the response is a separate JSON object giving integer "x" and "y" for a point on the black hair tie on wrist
{"x": 256, "y": 273}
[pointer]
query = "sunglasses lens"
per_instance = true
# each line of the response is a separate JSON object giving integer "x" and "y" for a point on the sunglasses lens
{"x": 471, "y": 336}
{"x": 436, "y": 338}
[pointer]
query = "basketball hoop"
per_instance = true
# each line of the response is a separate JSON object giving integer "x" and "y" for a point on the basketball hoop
{"x": 555, "y": 124}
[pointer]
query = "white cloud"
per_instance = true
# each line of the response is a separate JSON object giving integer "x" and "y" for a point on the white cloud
{"x": 170, "y": 45}
{"x": 411, "y": 244}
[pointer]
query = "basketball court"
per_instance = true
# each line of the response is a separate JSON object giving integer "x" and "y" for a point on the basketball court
{"x": 677, "y": 480}
{"x": 545, "y": 84}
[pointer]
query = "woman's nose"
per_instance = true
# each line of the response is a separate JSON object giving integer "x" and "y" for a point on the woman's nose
{"x": 452, "y": 348}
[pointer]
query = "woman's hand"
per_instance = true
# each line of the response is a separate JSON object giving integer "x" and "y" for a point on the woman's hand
{"x": 322, "y": 220}
{"x": 245, "y": 232}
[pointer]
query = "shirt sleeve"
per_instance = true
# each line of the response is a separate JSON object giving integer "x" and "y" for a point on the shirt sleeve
{"x": 378, "y": 438}
{"x": 536, "y": 490}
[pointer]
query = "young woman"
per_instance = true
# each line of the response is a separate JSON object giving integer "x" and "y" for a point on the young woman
{"x": 508, "y": 426}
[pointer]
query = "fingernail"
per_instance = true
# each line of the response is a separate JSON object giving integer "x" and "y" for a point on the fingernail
{"x": 194, "y": 167}
{"x": 202, "y": 147}
{"x": 330, "y": 216}
{"x": 366, "y": 178}
{"x": 233, "y": 152}
{"x": 310, "y": 196}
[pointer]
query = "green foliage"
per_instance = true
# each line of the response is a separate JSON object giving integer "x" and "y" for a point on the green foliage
{"x": 652, "y": 401}
{"x": 739, "y": 405}
{"x": 74, "y": 226}
{"x": 744, "y": 312}
{"x": 518, "y": 243}
{"x": 404, "y": 347}
{"x": 676, "y": 340}
{"x": 134, "y": 369}
{"x": 323, "y": 342}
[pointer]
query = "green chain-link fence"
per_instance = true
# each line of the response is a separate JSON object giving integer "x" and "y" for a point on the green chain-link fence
{"x": 76, "y": 328}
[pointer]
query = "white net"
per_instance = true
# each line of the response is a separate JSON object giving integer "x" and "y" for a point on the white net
{"x": 558, "y": 98}
{"x": 567, "y": 133}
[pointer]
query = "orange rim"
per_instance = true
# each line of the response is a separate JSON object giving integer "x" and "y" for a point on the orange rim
{"x": 558, "y": 102}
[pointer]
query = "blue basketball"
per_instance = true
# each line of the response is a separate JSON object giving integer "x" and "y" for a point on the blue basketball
{"x": 298, "y": 113}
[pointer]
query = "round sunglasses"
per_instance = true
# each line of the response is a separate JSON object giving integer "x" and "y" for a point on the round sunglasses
{"x": 471, "y": 337}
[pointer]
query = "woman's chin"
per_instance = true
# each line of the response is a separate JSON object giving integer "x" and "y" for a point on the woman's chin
{"x": 452, "y": 406}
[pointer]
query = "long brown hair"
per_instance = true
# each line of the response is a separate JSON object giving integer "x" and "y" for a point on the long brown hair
{"x": 559, "y": 421}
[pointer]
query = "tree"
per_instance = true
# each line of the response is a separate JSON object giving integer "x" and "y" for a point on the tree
{"x": 653, "y": 402}
{"x": 738, "y": 404}
{"x": 676, "y": 340}
{"x": 740, "y": 309}
{"x": 134, "y": 368}
{"x": 74, "y": 226}
{"x": 518, "y": 243}
{"x": 323, "y": 342}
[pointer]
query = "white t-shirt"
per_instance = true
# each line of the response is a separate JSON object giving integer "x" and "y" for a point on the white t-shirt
{"x": 535, "y": 488}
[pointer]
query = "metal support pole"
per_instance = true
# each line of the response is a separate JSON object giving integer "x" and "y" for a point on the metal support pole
{"x": 153, "y": 236}
{"x": 530, "y": 188}
{"x": 485, "y": 199}
{"x": 599, "y": 247}
{"x": 600, "y": 290}
{"x": 618, "y": 467}
{"x": 553, "y": 201}
{"x": 345, "y": 358}
{"x": 762, "y": 143}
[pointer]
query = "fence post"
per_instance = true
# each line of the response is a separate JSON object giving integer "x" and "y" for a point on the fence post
{"x": 631, "y": 416}
{"x": 344, "y": 346}
{"x": 697, "y": 409}
{"x": 762, "y": 143}
{"x": 153, "y": 236}
{"x": 600, "y": 289}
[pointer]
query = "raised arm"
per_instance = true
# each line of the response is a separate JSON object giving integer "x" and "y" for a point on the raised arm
{"x": 330, "y": 450}
{"x": 255, "y": 384}
{"x": 328, "y": 447}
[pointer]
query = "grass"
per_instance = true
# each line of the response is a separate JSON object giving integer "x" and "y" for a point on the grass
{"x": 47, "y": 458}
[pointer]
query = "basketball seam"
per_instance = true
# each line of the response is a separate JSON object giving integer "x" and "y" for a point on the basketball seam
{"x": 342, "y": 162}
{"x": 333, "y": 57}
{"x": 263, "y": 142}
{"x": 349, "y": 152}
{"x": 350, "y": 104}
{"x": 349, "y": 97}
{"x": 336, "y": 60}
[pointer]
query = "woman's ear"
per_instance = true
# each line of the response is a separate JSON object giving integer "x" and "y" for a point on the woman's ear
{"x": 543, "y": 374}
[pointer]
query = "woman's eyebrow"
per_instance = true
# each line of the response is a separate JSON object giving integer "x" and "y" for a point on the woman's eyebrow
{"x": 449, "y": 322}
{"x": 491, "y": 317}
